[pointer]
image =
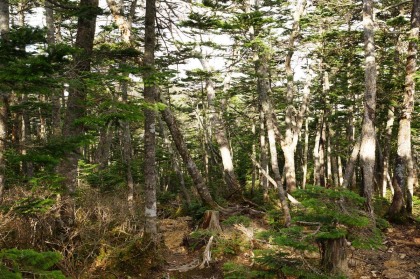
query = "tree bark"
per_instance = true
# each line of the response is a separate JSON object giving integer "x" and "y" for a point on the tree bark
{"x": 368, "y": 144}
{"x": 387, "y": 141}
{"x": 193, "y": 171}
{"x": 263, "y": 87}
{"x": 351, "y": 163}
{"x": 317, "y": 164}
{"x": 4, "y": 30}
{"x": 305, "y": 154}
{"x": 219, "y": 131}
{"x": 402, "y": 199}
{"x": 150, "y": 91}
{"x": 293, "y": 126}
{"x": 334, "y": 255}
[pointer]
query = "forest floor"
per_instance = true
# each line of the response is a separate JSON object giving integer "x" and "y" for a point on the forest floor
{"x": 399, "y": 257}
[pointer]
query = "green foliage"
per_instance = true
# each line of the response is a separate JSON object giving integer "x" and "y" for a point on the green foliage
{"x": 19, "y": 264}
{"x": 106, "y": 180}
{"x": 196, "y": 210}
{"x": 237, "y": 219}
{"x": 33, "y": 205}
{"x": 232, "y": 270}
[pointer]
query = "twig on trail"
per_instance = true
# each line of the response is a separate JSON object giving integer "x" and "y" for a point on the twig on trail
{"x": 196, "y": 263}
{"x": 207, "y": 254}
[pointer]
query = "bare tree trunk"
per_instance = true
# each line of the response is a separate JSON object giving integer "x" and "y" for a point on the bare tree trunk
{"x": 263, "y": 156}
{"x": 4, "y": 30}
{"x": 181, "y": 146}
{"x": 219, "y": 130}
{"x": 322, "y": 157}
{"x": 150, "y": 94}
{"x": 101, "y": 156}
{"x": 55, "y": 97}
{"x": 387, "y": 143}
{"x": 289, "y": 142}
{"x": 317, "y": 164}
{"x": 28, "y": 169}
{"x": 340, "y": 171}
{"x": 351, "y": 163}
{"x": 402, "y": 200}
{"x": 305, "y": 154}
{"x": 368, "y": 146}
{"x": 263, "y": 87}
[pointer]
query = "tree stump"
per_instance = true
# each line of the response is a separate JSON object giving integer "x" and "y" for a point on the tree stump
{"x": 333, "y": 255}
{"x": 211, "y": 221}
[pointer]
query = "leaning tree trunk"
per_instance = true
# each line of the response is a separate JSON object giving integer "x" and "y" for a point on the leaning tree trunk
{"x": 263, "y": 87}
{"x": 4, "y": 30}
{"x": 368, "y": 146}
{"x": 192, "y": 168}
{"x": 219, "y": 130}
{"x": 404, "y": 160}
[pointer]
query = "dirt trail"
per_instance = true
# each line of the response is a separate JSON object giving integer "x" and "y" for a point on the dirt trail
{"x": 399, "y": 257}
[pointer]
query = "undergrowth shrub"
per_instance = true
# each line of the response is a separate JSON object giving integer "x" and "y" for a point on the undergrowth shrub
{"x": 16, "y": 264}
{"x": 325, "y": 215}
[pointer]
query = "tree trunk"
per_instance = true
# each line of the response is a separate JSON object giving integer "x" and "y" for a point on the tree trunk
{"x": 368, "y": 146}
{"x": 289, "y": 143}
{"x": 387, "y": 142}
{"x": 317, "y": 164}
{"x": 101, "y": 156}
{"x": 181, "y": 146}
{"x": 351, "y": 163}
{"x": 263, "y": 156}
{"x": 333, "y": 255}
{"x": 4, "y": 30}
{"x": 402, "y": 199}
{"x": 305, "y": 154}
{"x": 211, "y": 221}
{"x": 150, "y": 91}
{"x": 263, "y": 87}
{"x": 322, "y": 157}
{"x": 219, "y": 130}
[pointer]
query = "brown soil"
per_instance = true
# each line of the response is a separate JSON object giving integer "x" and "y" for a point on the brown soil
{"x": 398, "y": 258}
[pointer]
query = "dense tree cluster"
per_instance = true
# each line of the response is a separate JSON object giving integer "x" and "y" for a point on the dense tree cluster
{"x": 215, "y": 103}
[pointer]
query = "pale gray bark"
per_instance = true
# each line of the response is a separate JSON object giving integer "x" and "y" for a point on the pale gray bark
{"x": 263, "y": 87}
{"x": 219, "y": 131}
{"x": 368, "y": 146}
{"x": 305, "y": 154}
{"x": 317, "y": 164}
{"x": 402, "y": 200}
{"x": 289, "y": 142}
{"x": 351, "y": 164}
{"x": 386, "y": 153}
